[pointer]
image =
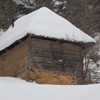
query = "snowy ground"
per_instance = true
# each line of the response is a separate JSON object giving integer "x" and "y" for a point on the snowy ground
{"x": 16, "y": 89}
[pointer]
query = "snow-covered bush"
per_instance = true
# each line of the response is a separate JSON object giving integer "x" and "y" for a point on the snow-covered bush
{"x": 26, "y": 3}
{"x": 59, "y": 5}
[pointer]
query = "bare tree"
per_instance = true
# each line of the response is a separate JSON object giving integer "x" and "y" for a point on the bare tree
{"x": 92, "y": 62}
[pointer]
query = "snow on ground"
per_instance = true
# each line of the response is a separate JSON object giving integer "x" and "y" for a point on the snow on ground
{"x": 17, "y": 89}
{"x": 43, "y": 22}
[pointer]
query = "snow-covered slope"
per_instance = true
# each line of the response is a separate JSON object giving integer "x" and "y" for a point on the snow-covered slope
{"x": 16, "y": 89}
{"x": 43, "y": 22}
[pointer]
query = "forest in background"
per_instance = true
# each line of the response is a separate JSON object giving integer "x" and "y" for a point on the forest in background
{"x": 85, "y": 14}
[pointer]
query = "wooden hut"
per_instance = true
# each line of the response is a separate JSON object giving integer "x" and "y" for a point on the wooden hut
{"x": 44, "y": 47}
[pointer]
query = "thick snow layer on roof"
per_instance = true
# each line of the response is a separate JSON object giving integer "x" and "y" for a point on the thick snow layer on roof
{"x": 43, "y": 22}
{"x": 16, "y": 89}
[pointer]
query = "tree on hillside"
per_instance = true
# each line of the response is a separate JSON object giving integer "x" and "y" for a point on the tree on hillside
{"x": 8, "y": 11}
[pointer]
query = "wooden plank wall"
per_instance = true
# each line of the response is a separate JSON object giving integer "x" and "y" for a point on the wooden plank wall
{"x": 14, "y": 62}
{"x": 42, "y": 56}
{"x": 39, "y": 54}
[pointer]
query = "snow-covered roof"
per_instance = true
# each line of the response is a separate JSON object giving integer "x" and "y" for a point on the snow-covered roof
{"x": 46, "y": 23}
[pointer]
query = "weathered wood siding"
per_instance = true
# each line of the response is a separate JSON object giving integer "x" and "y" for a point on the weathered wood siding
{"x": 56, "y": 56}
{"x": 14, "y": 62}
{"x": 35, "y": 54}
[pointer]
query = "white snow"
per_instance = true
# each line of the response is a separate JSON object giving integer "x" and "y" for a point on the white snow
{"x": 17, "y": 89}
{"x": 43, "y": 22}
{"x": 26, "y": 3}
{"x": 18, "y": 2}
{"x": 1, "y": 31}
{"x": 57, "y": 3}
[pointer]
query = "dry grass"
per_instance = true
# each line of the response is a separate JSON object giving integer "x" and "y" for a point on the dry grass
{"x": 47, "y": 77}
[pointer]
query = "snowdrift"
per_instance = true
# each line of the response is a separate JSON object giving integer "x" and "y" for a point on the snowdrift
{"x": 17, "y": 89}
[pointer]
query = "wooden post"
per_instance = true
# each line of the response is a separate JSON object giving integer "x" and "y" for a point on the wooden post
{"x": 13, "y": 22}
{"x": 51, "y": 47}
{"x": 29, "y": 51}
{"x": 63, "y": 56}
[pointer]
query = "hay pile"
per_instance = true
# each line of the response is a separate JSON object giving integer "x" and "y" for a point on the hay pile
{"x": 47, "y": 77}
